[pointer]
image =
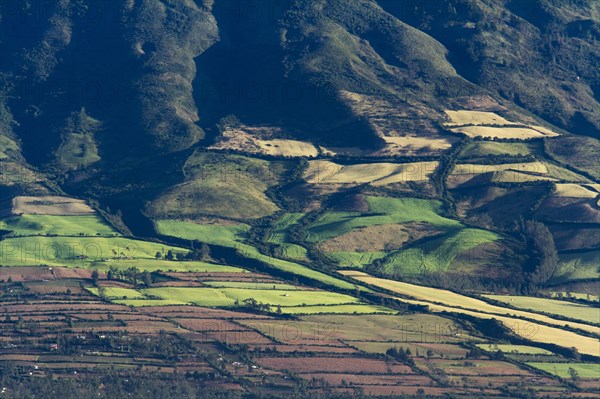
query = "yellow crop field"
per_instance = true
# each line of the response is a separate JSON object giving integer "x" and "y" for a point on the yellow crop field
{"x": 521, "y": 133}
{"x": 576, "y": 190}
{"x": 440, "y": 300}
{"x": 397, "y": 145}
{"x": 511, "y": 176}
{"x": 525, "y": 167}
{"x": 417, "y": 143}
{"x": 259, "y": 140}
{"x": 377, "y": 174}
{"x": 50, "y": 205}
{"x": 288, "y": 148}
{"x": 465, "y": 117}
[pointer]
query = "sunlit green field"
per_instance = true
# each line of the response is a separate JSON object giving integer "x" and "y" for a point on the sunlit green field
{"x": 251, "y": 286}
{"x": 75, "y": 251}
{"x": 578, "y": 266}
{"x": 337, "y": 309}
{"x": 478, "y": 149}
{"x": 225, "y": 235}
{"x": 571, "y": 310}
{"x": 31, "y": 225}
{"x": 153, "y": 265}
{"x": 562, "y": 369}
{"x": 148, "y": 302}
{"x": 355, "y": 259}
{"x": 231, "y": 236}
{"x": 437, "y": 255}
{"x": 520, "y": 349}
{"x": 228, "y": 296}
{"x": 116, "y": 292}
{"x": 382, "y": 210}
{"x": 280, "y": 228}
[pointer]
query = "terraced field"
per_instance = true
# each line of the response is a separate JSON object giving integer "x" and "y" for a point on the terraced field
{"x": 505, "y": 132}
{"x": 577, "y": 190}
{"x": 255, "y": 140}
{"x": 570, "y": 310}
{"x": 280, "y": 297}
{"x": 491, "y": 125}
{"x": 49, "y": 205}
{"x": 442, "y": 300}
{"x": 381, "y": 211}
{"x": 387, "y": 232}
{"x": 377, "y": 174}
{"x": 228, "y": 296}
{"x": 591, "y": 371}
{"x": 520, "y": 349}
{"x": 467, "y": 117}
{"x": 481, "y": 149}
{"x": 75, "y": 251}
{"x": 231, "y": 237}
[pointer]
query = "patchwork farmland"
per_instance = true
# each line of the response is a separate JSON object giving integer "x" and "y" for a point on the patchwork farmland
{"x": 273, "y": 291}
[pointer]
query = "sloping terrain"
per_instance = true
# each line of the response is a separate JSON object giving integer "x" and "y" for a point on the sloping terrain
{"x": 307, "y": 198}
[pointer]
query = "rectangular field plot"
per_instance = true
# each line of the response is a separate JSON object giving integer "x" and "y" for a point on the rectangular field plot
{"x": 31, "y": 225}
{"x": 229, "y": 296}
{"x": 167, "y": 266}
{"x": 467, "y": 117}
{"x": 331, "y": 349}
{"x": 333, "y": 364}
{"x": 338, "y": 379}
{"x": 76, "y": 251}
{"x": 226, "y": 235}
{"x": 337, "y": 309}
{"x": 567, "y": 309}
{"x": 447, "y": 351}
{"x": 472, "y": 367}
{"x": 201, "y": 313}
{"x": 376, "y": 174}
{"x": 519, "y": 349}
{"x": 116, "y": 292}
{"x": 390, "y": 329}
{"x": 584, "y": 370}
{"x": 252, "y": 285}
